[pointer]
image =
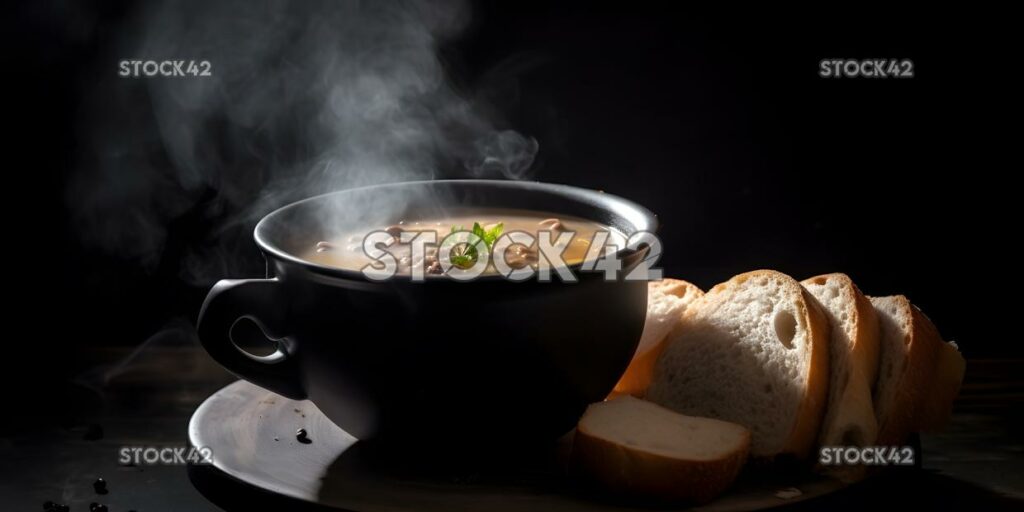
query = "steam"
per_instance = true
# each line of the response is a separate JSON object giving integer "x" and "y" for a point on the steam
{"x": 305, "y": 97}
{"x": 504, "y": 153}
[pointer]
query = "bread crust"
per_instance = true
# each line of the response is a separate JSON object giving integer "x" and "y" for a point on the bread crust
{"x": 849, "y": 418}
{"x": 638, "y": 374}
{"x": 676, "y": 287}
{"x": 812, "y": 409}
{"x": 949, "y": 375}
{"x": 866, "y": 349}
{"x": 634, "y": 472}
{"x": 913, "y": 387}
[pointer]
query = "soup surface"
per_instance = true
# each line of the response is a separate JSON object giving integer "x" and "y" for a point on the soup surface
{"x": 491, "y": 225}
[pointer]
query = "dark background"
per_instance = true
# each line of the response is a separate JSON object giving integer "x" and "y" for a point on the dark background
{"x": 718, "y": 122}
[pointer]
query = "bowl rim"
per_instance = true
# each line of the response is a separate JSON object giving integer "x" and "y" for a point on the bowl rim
{"x": 641, "y": 218}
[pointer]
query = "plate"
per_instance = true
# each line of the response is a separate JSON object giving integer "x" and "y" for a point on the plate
{"x": 257, "y": 460}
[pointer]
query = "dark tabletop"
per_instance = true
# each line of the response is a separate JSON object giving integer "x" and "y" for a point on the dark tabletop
{"x": 145, "y": 398}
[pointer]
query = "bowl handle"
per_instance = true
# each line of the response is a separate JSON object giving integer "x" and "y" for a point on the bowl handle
{"x": 231, "y": 300}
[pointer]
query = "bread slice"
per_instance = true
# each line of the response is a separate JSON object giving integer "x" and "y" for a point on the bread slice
{"x": 919, "y": 374}
{"x": 667, "y": 300}
{"x": 637, "y": 448}
{"x": 949, "y": 374}
{"x": 753, "y": 351}
{"x": 853, "y": 361}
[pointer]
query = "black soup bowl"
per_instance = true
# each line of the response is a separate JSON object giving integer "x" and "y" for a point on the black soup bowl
{"x": 438, "y": 360}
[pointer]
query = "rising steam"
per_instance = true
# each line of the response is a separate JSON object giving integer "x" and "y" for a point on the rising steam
{"x": 305, "y": 97}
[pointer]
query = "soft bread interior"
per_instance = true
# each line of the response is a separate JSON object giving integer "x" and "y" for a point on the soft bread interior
{"x": 641, "y": 425}
{"x": 745, "y": 354}
{"x": 667, "y": 300}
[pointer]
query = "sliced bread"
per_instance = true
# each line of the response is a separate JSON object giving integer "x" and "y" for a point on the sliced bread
{"x": 949, "y": 374}
{"x": 667, "y": 300}
{"x": 633, "y": 447}
{"x": 853, "y": 361}
{"x": 753, "y": 351}
{"x": 919, "y": 374}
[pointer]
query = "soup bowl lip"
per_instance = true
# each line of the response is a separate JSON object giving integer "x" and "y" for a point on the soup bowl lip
{"x": 647, "y": 221}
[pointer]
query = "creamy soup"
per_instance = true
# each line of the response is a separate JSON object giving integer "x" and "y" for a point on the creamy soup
{"x": 490, "y": 225}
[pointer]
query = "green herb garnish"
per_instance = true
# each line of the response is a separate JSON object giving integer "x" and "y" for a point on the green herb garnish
{"x": 465, "y": 255}
{"x": 491, "y": 235}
